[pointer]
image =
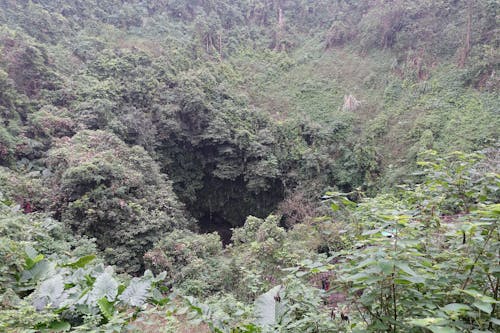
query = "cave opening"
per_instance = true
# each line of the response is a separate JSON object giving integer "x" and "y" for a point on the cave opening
{"x": 213, "y": 222}
{"x": 223, "y": 205}
{"x": 219, "y": 191}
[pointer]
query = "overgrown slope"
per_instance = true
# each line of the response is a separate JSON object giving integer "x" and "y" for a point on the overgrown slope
{"x": 146, "y": 124}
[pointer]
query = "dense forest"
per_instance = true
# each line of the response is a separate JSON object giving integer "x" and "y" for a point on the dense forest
{"x": 249, "y": 166}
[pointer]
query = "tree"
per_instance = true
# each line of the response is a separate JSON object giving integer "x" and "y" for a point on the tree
{"x": 114, "y": 193}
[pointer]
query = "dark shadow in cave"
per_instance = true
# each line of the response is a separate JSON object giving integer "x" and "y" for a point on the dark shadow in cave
{"x": 217, "y": 189}
{"x": 225, "y": 204}
{"x": 213, "y": 222}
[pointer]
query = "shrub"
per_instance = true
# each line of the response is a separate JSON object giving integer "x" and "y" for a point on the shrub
{"x": 193, "y": 262}
{"x": 115, "y": 194}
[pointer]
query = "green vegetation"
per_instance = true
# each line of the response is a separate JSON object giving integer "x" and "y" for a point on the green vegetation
{"x": 249, "y": 166}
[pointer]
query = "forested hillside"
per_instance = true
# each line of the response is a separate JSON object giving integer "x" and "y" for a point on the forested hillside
{"x": 249, "y": 166}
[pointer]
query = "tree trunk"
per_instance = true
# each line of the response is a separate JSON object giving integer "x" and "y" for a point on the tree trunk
{"x": 467, "y": 43}
{"x": 220, "y": 45}
{"x": 279, "y": 29}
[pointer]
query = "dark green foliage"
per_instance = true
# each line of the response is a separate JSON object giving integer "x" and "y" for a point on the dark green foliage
{"x": 219, "y": 152}
{"x": 152, "y": 82}
{"x": 27, "y": 64}
{"x": 190, "y": 260}
{"x": 113, "y": 193}
{"x": 46, "y": 285}
{"x": 249, "y": 108}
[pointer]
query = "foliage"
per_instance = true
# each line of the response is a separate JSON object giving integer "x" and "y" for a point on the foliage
{"x": 112, "y": 113}
{"x": 80, "y": 296}
{"x": 415, "y": 267}
{"x": 113, "y": 193}
{"x": 190, "y": 260}
{"x": 63, "y": 286}
{"x": 267, "y": 307}
{"x": 18, "y": 231}
{"x": 401, "y": 273}
{"x": 194, "y": 83}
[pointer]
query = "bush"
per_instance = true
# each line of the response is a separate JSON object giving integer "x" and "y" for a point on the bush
{"x": 114, "y": 193}
{"x": 195, "y": 263}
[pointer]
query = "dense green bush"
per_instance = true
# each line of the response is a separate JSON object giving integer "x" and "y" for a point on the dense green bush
{"x": 425, "y": 257}
{"x": 113, "y": 193}
{"x": 190, "y": 260}
{"x": 47, "y": 283}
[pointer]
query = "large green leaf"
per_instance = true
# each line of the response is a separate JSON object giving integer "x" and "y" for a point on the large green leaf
{"x": 456, "y": 307}
{"x": 50, "y": 292}
{"x": 266, "y": 307}
{"x": 80, "y": 263}
{"x": 107, "y": 308}
{"x": 483, "y": 306}
{"x": 442, "y": 329}
{"x": 429, "y": 321}
{"x": 30, "y": 262}
{"x": 136, "y": 293}
{"x": 40, "y": 271}
{"x": 52, "y": 288}
{"x": 405, "y": 268}
{"x": 104, "y": 286}
{"x": 387, "y": 267}
{"x": 59, "y": 326}
{"x": 435, "y": 325}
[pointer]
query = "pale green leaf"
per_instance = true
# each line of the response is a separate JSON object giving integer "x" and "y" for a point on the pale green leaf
{"x": 266, "y": 307}
{"x": 104, "y": 286}
{"x": 442, "y": 329}
{"x": 107, "y": 308}
{"x": 136, "y": 293}
{"x": 405, "y": 268}
{"x": 483, "y": 306}
{"x": 456, "y": 307}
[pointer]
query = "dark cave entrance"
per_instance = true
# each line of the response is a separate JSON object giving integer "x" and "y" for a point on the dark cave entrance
{"x": 222, "y": 205}
{"x": 218, "y": 189}
{"x": 215, "y": 223}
